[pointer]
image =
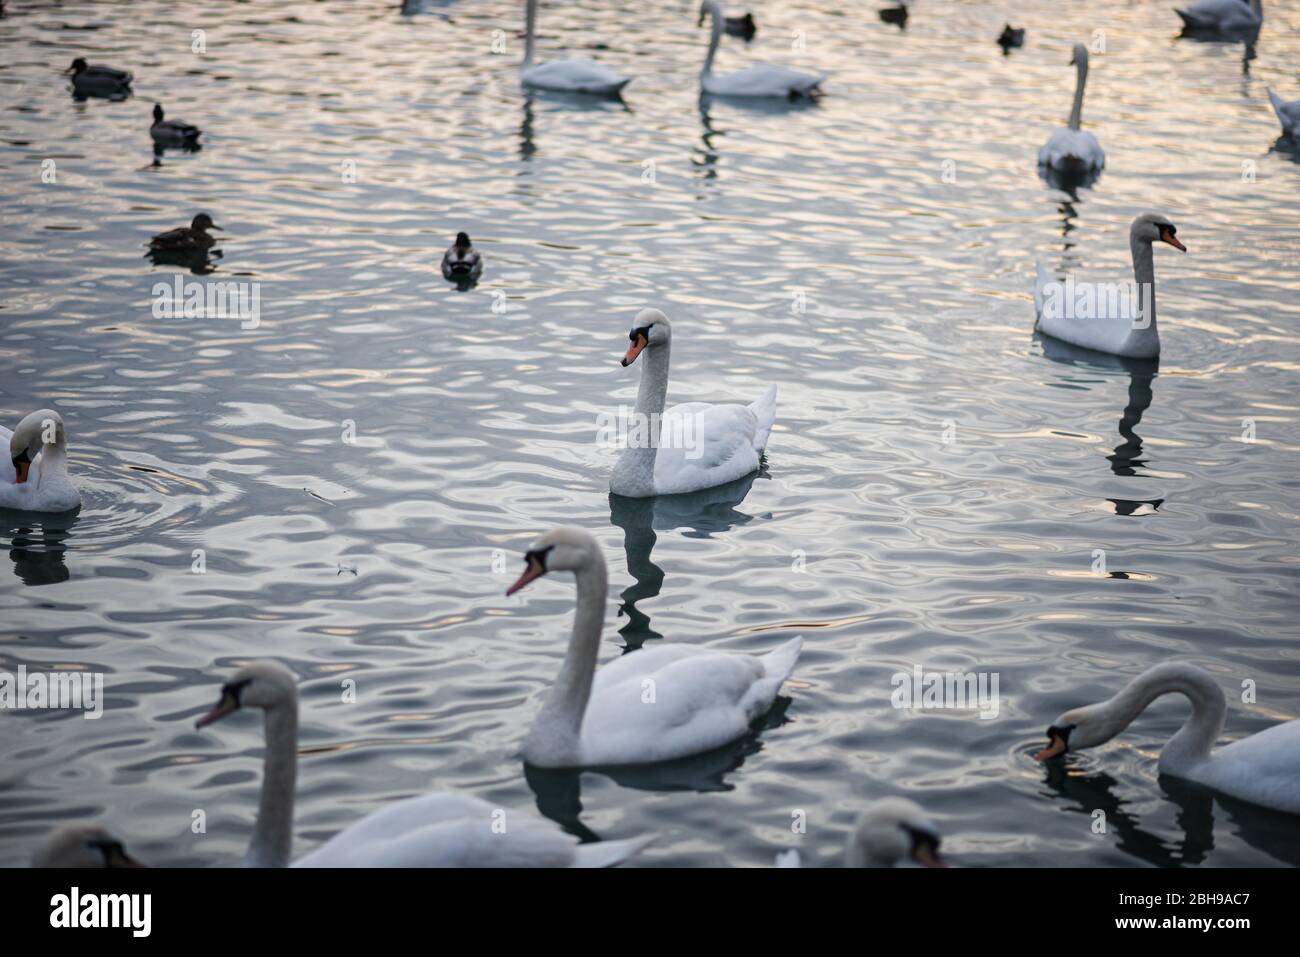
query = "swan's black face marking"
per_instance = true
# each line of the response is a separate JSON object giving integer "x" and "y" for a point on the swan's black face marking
{"x": 534, "y": 568}
{"x": 231, "y": 694}
{"x": 22, "y": 462}
{"x": 1058, "y": 742}
{"x": 640, "y": 338}
{"x": 1168, "y": 234}
{"x": 925, "y": 847}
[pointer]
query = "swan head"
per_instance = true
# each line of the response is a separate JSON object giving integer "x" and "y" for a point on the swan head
{"x": 562, "y": 549}
{"x": 1080, "y": 55}
{"x": 1081, "y": 728}
{"x": 891, "y": 830}
{"x": 1156, "y": 228}
{"x": 82, "y": 845}
{"x": 259, "y": 684}
{"x": 651, "y": 328}
{"x": 706, "y": 8}
{"x": 37, "y": 430}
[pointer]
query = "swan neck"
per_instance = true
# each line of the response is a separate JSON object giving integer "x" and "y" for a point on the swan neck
{"x": 1076, "y": 113}
{"x": 634, "y": 473}
{"x": 1144, "y": 275}
{"x": 562, "y": 714}
{"x": 715, "y": 12}
{"x": 530, "y": 17}
{"x": 1202, "y": 728}
{"x": 272, "y": 840}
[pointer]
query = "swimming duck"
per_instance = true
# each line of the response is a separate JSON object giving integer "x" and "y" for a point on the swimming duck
{"x": 462, "y": 260}
{"x": 191, "y": 238}
{"x": 1011, "y": 37}
{"x": 172, "y": 132}
{"x": 895, "y": 15}
{"x": 743, "y": 27}
{"x": 98, "y": 80}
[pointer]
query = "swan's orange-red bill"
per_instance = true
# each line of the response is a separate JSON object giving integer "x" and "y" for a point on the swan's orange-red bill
{"x": 1172, "y": 240}
{"x": 226, "y": 705}
{"x": 634, "y": 350}
{"x": 21, "y": 468}
{"x": 1057, "y": 746}
{"x": 927, "y": 857}
{"x": 531, "y": 573}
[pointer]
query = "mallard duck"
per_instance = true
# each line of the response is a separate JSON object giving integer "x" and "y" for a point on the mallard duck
{"x": 743, "y": 27}
{"x": 462, "y": 260}
{"x": 191, "y": 238}
{"x": 1011, "y": 37}
{"x": 98, "y": 80}
{"x": 172, "y": 132}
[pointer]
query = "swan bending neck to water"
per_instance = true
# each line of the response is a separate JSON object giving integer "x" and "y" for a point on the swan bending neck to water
{"x": 702, "y": 698}
{"x": 1072, "y": 148}
{"x": 692, "y": 446}
{"x": 1262, "y": 769}
{"x": 761, "y": 80}
{"x": 432, "y": 830}
{"x": 1288, "y": 114}
{"x": 35, "y": 478}
{"x": 889, "y": 831}
{"x": 1135, "y": 336}
{"x": 565, "y": 76}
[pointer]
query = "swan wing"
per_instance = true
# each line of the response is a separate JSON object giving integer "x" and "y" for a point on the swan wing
{"x": 764, "y": 80}
{"x": 1072, "y": 148}
{"x": 1288, "y": 114}
{"x": 702, "y": 445}
{"x": 574, "y": 76}
{"x": 1263, "y": 769}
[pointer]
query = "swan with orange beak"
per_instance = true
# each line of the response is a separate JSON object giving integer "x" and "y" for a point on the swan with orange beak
{"x": 35, "y": 479}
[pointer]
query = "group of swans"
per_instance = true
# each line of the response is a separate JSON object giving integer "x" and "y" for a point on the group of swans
{"x": 590, "y": 77}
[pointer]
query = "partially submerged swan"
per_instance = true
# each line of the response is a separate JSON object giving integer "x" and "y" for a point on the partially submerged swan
{"x": 889, "y": 831}
{"x": 565, "y": 76}
{"x": 762, "y": 79}
{"x": 1134, "y": 335}
{"x": 432, "y": 830}
{"x": 653, "y": 704}
{"x": 1222, "y": 16}
{"x": 462, "y": 261}
{"x": 1071, "y": 148}
{"x": 35, "y": 476}
{"x": 691, "y": 446}
{"x": 81, "y": 844}
{"x": 1262, "y": 769}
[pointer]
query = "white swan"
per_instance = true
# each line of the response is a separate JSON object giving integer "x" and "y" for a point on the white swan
{"x": 82, "y": 844}
{"x": 1288, "y": 114}
{"x": 692, "y": 446}
{"x": 1223, "y": 16}
{"x": 889, "y": 831}
{"x": 35, "y": 478}
{"x": 566, "y": 76}
{"x": 654, "y": 704}
{"x": 433, "y": 830}
{"x": 1132, "y": 332}
{"x": 762, "y": 79}
{"x": 1071, "y": 148}
{"x": 1262, "y": 769}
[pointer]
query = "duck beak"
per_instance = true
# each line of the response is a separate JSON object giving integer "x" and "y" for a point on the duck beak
{"x": 226, "y": 705}
{"x": 1055, "y": 746}
{"x": 532, "y": 572}
{"x": 634, "y": 350}
{"x": 217, "y": 228}
{"x": 1172, "y": 240}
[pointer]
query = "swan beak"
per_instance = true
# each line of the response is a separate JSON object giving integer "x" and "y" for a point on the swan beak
{"x": 534, "y": 571}
{"x": 928, "y": 857}
{"x": 120, "y": 858}
{"x": 1172, "y": 240}
{"x": 226, "y": 705}
{"x": 21, "y": 465}
{"x": 634, "y": 350}
{"x": 1057, "y": 746}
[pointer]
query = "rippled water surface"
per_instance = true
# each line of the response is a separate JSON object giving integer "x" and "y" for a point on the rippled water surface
{"x": 935, "y": 491}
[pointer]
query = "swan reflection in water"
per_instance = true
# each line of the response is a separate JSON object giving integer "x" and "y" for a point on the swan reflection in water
{"x": 1127, "y": 460}
{"x": 1268, "y": 831}
{"x": 38, "y": 544}
{"x": 702, "y": 514}
{"x": 584, "y": 102}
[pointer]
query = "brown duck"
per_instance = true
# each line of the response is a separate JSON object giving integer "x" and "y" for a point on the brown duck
{"x": 191, "y": 238}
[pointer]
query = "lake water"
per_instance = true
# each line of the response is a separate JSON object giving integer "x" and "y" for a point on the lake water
{"x": 936, "y": 489}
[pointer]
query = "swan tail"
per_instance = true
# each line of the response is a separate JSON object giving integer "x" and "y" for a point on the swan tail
{"x": 764, "y": 410}
{"x": 609, "y": 853}
{"x": 779, "y": 663}
{"x": 1279, "y": 107}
